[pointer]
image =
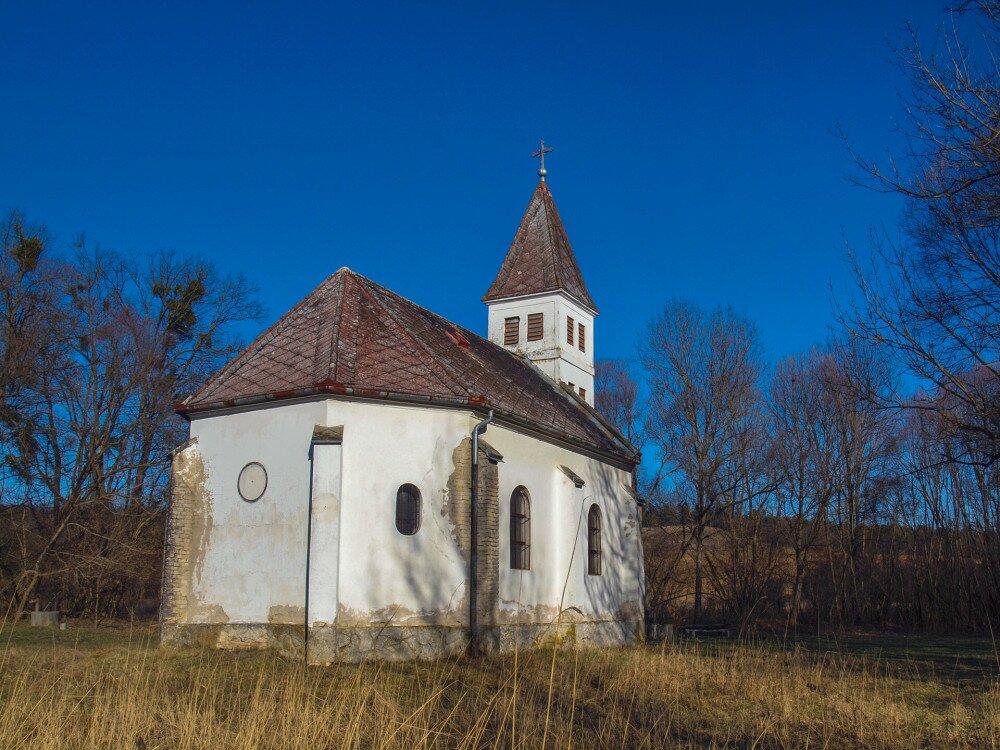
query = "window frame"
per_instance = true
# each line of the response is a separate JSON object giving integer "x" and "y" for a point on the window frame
{"x": 519, "y": 536}
{"x": 417, "y": 515}
{"x": 239, "y": 482}
{"x": 581, "y": 338}
{"x": 595, "y": 547}
{"x": 570, "y": 330}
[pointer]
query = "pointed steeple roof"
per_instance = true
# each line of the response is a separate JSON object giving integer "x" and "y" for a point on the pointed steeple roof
{"x": 540, "y": 258}
{"x": 352, "y": 337}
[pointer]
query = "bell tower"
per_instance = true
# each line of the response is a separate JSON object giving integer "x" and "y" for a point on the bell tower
{"x": 539, "y": 306}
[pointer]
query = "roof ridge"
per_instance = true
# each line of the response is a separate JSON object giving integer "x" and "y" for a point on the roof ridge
{"x": 331, "y": 362}
{"x": 546, "y": 200}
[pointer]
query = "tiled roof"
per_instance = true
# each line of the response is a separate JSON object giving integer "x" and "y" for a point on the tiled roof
{"x": 351, "y": 336}
{"x": 540, "y": 258}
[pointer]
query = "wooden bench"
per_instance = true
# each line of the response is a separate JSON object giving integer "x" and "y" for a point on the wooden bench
{"x": 706, "y": 629}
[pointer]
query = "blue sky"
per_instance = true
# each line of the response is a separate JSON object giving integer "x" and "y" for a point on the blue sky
{"x": 696, "y": 157}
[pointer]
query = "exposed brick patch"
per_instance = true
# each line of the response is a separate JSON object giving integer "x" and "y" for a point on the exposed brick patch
{"x": 488, "y": 533}
{"x": 184, "y": 517}
{"x": 457, "y": 508}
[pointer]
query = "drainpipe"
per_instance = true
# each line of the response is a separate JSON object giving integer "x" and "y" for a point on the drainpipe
{"x": 478, "y": 430}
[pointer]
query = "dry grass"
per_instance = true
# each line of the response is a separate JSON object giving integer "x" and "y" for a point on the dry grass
{"x": 89, "y": 689}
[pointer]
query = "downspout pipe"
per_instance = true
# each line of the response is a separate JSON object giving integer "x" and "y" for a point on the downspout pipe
{"x": 478, "y": 430}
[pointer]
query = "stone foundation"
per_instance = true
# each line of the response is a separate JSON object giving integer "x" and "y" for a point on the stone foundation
{"x": 330, "y": 644}
{"x": 287, "y": 640}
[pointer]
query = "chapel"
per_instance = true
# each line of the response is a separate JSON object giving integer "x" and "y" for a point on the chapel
{"x": 370, "y": 480}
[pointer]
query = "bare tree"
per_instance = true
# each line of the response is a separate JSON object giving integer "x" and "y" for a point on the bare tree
{"x": 863, "y": 451}
{"x": 702, "y": 371}
{"x": 96, "y": 419}
{"x": 932, "y": 302}
{"x": 616, "y": 396}
{"x": 745, "y": 561}
{"x": 802, "y": 458}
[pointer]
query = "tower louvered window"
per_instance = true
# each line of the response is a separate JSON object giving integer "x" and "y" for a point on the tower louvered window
{"x": 582, "y": 338}
{"x": 520, "y": 530}
{"x": 536, "y": 326}
{"x": 594, "y": 541}
{"x": 511, "y": 331}
{"x": 570, "y": 325}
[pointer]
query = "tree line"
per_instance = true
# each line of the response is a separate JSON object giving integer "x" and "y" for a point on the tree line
{"x": 858, "y": 483}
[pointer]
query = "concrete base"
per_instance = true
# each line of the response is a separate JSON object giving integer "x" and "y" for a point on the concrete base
{"x": 288, "y": 640}
{"x": 329, "y": 644}
{"x": 659, "y": 631}
{"x": 45, "y": 619}
{"x": 504, "y": 639}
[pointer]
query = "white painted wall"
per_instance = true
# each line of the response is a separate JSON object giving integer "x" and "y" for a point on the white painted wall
{"x": 324, "y": 533}
{"x": 256, "y": 552}
{"x": 559, "y": 530}
{"x": 552, "y": 354}
{"x": 384, "y": 575}
{"x": 362, "y": 569}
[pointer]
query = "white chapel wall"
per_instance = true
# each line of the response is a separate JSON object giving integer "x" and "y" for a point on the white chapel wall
{"x": 254, "y": 561}
{"x": 559, "y": 533}
{"x": 363, "y": 571}
{"x": 386, "y": 577}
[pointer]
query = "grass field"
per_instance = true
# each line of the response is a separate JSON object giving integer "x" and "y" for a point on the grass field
{"x": 112, "y": 688}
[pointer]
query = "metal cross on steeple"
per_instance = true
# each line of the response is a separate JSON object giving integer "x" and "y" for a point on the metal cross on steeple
{"x": 540, "y": 154}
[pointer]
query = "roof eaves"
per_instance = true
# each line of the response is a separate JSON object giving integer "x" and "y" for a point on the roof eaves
{"x": 503, "y": 297}
{"x": 477, "y": 404}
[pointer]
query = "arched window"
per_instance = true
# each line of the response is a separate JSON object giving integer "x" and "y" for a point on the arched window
{"x": 407, "y": 509}
{"x": 594, "y": 541}
{"x": 520, "y": 530}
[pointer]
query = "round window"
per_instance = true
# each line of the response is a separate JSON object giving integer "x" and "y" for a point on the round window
{"x": 252, "y": 482}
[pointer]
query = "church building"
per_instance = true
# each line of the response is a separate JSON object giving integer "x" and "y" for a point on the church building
{"x": 368, "y": 479}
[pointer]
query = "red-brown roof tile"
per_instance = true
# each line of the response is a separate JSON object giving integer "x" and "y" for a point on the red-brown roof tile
{"x": 540, "y": 258}
{"x": 352, "y": 336}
